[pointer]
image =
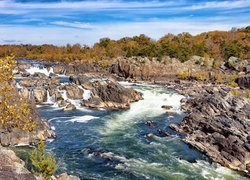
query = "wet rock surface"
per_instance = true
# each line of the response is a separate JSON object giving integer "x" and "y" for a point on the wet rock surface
{"x": 218, "y": 124}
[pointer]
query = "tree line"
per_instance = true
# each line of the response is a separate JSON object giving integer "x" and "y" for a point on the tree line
{"x": 219, "y": 45}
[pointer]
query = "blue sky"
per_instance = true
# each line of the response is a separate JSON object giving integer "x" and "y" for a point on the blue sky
{"x": 84, "y": 21}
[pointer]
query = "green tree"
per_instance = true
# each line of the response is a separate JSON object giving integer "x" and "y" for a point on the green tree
{"x": 43, "y": 163}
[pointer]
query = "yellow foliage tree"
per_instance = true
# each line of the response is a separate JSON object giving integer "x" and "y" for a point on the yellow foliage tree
{"x": 14, "y": 111}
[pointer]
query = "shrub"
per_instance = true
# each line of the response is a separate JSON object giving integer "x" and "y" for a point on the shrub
{"x": 248, "y": 93}
{"x": 183, "y": 75}
{"x": 44, "y": 164}
{"x": 14, "y": 111}
{"x": 201, "y": 75}
{"x": 235, "y": 92}
{"x": 233, "y": 84}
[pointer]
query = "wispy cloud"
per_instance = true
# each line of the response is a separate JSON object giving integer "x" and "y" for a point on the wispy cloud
{"x": 72, "y": 21}
{"x": 74, "y": 24}
{"x": 220, "y": 4}
{"x": 86, "y": 5}
{"x": 64, "y": 35}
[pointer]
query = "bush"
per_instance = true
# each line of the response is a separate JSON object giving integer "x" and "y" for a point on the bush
{"x": 44, "y": 164}
{"x": 233, "y": 84}
{"x": 183, "y": 75}
{"x": 235, "y": 92}
{"x": 14, "y": 111}
{"x": 201, "y": 75}
{"x": 248, "y": 93}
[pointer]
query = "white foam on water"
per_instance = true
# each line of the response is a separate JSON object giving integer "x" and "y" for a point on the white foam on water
{"x": 33, "y": 70}
{"x": 145, "y": 109}
{"x": 18, "y": 86}
{"x": 87, "y": 94}
{"x": 83, "y": 119}
{"x": 50, "y": 99}
{"x": 212, "y": 171}
{"x": 141, "y": 167}
{"x": 126, "y": 83}
{"x": 50, "y": 140}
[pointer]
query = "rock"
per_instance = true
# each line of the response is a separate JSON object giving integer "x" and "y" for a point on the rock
{"x": 111, "y": 95}
{"x": 218, "y": 124}
{"x": 63, "y": 103}
{"x": 12, "y": 167}
{"x": 65, "y": 176}
{"x": 40, "y": 95}
{"x": 183, "y": 100}
{"x": 69, "y": 107}
{"x": 25, "y": 93}
{"x": 238, "y": 64}
{"x": 243, "y": 81}
{"x": 150, "y": 123}
{"x": 163, "y": 133}
{"x": 27, "y": 82}
{"x": 59, "y": 69}
{"x": 74, "y": 92}
{"x": 150, "y": 135}
{"x": 167, "y": 107}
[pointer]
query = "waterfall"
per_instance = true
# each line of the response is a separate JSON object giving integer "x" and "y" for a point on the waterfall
{"x": 50, "y": 99}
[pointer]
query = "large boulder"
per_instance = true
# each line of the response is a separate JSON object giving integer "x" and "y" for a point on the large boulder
{"x": 244, "y": 81}
{"x": 238, "y": 64}
{"x": 59, "y": 69}
{"x": 40, "y": 95}
{"x": 27, "y": 82}
{"x": 73, "y": 91}
{"x": 111, "y": 95}
{"x": 12, "y": 167}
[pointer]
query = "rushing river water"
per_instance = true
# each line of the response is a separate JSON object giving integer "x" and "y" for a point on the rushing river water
{"x": 100, "y": 144}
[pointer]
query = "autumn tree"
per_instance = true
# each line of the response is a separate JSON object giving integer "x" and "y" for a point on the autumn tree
{"x": 14, "y": 111}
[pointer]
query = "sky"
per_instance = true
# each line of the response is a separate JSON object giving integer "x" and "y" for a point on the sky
{"x": 84, "y": 21}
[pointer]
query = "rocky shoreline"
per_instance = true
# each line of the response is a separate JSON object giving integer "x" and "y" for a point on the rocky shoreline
{"x": 217, "y": 124}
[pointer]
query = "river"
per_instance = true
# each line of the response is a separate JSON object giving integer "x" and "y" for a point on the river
{"x": 101, "y": 144}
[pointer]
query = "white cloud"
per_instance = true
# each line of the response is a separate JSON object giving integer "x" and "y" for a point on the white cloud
{"x": 64, "y": 35}
{"x": 74, "y": 24}
{"x": 221, "y": 4}
{"x": 85, "y": 5}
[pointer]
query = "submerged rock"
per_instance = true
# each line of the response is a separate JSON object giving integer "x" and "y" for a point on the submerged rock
{"x": 150, "y": 123}
{"x": 69, "y": 107}
{"x": 65, "y": 176}
{"x": 167, "y": 107}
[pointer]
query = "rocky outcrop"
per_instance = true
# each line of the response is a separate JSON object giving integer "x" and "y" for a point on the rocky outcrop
{"x": 74, "y": 68}
{"x": 11, "y": 136}
{"x": 111, "y": 95}
{"x": 244, "y": 81}
{"x": 238, "y": 64}
{"x": 145, "y": 69}
{"x": 38, "y": 80}
{"x": 40, "y": 95}
{"x": 218, "y": 124}
{"x": 12, "y": 167}
{"x": 73, "y": 91}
